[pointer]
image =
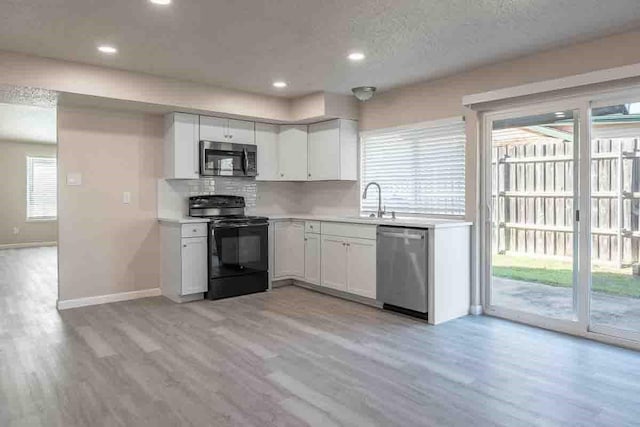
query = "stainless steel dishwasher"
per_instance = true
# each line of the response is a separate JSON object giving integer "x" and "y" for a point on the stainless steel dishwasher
{"x": 402, "y": 269}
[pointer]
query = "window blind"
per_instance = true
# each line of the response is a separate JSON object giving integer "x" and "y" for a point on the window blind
{"x": 41, "y": 188}
{"x": 421, "y": 168}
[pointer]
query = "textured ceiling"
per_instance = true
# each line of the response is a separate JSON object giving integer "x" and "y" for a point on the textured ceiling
{"x": 247, "y": 44}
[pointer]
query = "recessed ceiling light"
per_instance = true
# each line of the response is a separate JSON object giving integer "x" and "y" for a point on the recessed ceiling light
{"x": 280, "y": 84}
{"x": 560, "y": 114}
{"x": 161, "y": 2}
{"x": 107, "y": 49}
{"x": 356, "y": 56}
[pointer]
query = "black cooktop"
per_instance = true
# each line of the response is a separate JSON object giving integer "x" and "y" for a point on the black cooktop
{"x": 231, "y": 220}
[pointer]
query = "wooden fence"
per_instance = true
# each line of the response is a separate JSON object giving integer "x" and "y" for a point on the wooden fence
{"x": 533, "y": 198}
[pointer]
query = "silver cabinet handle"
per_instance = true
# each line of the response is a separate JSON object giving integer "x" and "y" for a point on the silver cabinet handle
{"x": 403, "y": 236}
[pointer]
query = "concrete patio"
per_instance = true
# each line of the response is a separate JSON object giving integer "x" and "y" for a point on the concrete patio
{"x": 557, "y": 302}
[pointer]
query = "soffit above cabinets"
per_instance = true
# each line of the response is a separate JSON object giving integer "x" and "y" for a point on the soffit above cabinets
{"x": 79, "y": 85}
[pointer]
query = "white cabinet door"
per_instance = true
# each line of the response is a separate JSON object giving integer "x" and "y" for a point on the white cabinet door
{"x": 296, "y": 249}
{"x": 312, "y": 258}
{"x": 214, "y": 129}
{"x": 292, "y": 152}
{"x": 289, "y": 249}
{"x": 281, "y": 249}
{"x": 333, "y": 260}
{"x": 324, "y": 151}
{"x": 194, "y": 265}
{"x": 361, "y": 267}
{"x": 181, "y": 149}
{"x": 267, "y": 142}
{"x": 241, "y": 131}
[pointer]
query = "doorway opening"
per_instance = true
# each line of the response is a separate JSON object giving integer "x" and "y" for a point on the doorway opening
{"x": 28, "y": 197}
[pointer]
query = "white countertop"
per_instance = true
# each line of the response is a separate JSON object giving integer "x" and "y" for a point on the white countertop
{"x": 400, "y": 221}
{"x": 183, "y": 220}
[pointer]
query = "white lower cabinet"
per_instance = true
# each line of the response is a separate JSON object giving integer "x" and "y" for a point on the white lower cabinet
{"x": 339, "y": 256}
{"x": 334, "y": 262}
{"x": 289, "y": 249}
{"x": 312, "y": 249}
{"x": 184, "y": 261}
{"x": 194, "y": 265}
{"x": 349, "y": 264}
{"x": 361, "y": 267}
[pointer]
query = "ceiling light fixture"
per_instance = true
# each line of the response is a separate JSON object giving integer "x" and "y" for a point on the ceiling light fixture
{"x": 560, "y": 114}
{"x": 356, "y": 56}
{"x": 161, "y": 2}
{"x": 364, "y": 93}
{"x": 280, "y": 84}
{"x": 107, "y": 49}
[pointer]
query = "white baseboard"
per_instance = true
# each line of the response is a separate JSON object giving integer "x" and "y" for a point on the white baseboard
{"x": 27, "y": 245}
{"x": 475, "y": 310}
{"x": 104, "y": 299}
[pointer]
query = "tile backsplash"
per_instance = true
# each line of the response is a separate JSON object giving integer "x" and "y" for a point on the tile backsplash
{"x": 173, "y": 194}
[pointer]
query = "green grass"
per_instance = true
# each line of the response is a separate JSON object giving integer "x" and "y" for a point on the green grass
{"x": 559, "y": 274}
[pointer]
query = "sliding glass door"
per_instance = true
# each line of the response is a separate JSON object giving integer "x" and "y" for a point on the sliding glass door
{"x": 561, "y": 228}
{"x": 615, "y": 218}
{"x": 532, "y": 202}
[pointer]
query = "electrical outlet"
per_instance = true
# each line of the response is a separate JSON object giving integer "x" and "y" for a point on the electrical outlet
{"x": 16, "y": 230}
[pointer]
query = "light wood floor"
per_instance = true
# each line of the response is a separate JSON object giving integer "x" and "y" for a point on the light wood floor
{"x": 288, "y": 358}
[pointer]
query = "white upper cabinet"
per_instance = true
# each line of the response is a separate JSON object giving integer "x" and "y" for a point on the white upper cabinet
{"x": 241, "y": 131}
{"x": 267, "y": 142}
{"x": 227, "y": 130}
{"x": 181, "y": 146}
{"x": 333, "y": 150}
{"x": 213, "y": 129}
{"x": 326, "y": 151}
{"x": 292, "y": 153}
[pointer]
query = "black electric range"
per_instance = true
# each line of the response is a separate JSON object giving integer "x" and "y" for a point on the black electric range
{"x": 238, "y": 246}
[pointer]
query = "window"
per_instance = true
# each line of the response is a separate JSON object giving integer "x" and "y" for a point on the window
{"x": 41, "y": 188}
{"x": 420, "y": 168}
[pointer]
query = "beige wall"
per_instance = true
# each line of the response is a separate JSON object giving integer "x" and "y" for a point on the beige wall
{"x": 106, "y": 246}
{"x": 13, "y": 194}
{"x": 437, "y": 99}
{"x": 443, "y": 98}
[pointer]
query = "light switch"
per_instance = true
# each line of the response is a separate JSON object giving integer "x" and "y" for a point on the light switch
{"x": 74, "y": 178}
{"x": 126, "y": 197}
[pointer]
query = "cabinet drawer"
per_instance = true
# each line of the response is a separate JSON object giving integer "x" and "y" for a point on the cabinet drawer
{"x": 342, "y": 229}
{"x": 312, "y": 227}
{"x": 198, "y": 229}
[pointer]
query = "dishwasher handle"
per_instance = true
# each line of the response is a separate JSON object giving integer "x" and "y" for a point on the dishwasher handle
{"x": 402, "y": 236}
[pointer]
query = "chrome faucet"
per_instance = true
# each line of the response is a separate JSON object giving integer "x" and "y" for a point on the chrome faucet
{"x": 381, "y": 211}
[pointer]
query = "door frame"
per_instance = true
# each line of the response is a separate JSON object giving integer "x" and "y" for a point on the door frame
{"x": 582, "y": 103}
